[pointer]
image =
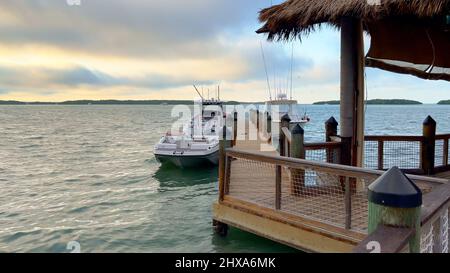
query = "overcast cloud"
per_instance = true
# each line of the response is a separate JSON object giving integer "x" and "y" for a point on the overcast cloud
{"x": 145, "y": 49}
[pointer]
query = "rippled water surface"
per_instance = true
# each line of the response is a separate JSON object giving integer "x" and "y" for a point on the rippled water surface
{"x": 88, "y": 174}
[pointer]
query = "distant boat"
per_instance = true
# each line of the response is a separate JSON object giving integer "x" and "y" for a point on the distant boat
{"x": 164, "y": 103}
{"x": 281, "y": 106}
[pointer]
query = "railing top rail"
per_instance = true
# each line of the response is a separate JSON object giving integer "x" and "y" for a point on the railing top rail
{"x": 443, "y": 136}
{"x": 321, "y": 145}
{"x": 393, "y": 138}
{"x": 322, "y": 166}
{"x": 434, "y": 201}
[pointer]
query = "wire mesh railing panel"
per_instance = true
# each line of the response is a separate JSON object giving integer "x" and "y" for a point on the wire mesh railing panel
{"x": 320, "y": 196}
{"x": 371, "y": 154}
{"x": 308, "y": 190}
{"x": 253, "y": 182}
{"x": 438, "y": 153}
{"x": 330, "y": 155}
{"x": 434, "y": 234}
{"x": 403, "y": 154}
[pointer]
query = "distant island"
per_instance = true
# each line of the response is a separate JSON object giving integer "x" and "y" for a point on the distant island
{"x": 375, "y": 102}
{"x": 109, "y": 102}
{"x": 444, "y": 102}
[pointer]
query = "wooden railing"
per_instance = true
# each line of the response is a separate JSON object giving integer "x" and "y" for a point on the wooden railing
{"x": 421, "y": 154}
{"x": 424, "y": 154}
{"x": 328, "y": 193}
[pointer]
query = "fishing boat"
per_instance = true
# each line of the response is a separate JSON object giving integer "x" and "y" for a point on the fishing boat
{"x": 281, "y": 106}
{"x": 197, "y": 144}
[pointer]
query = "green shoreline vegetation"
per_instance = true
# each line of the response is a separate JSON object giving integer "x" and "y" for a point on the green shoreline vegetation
{"x": 375, "y": 102}
{"x": 188, "y": 102}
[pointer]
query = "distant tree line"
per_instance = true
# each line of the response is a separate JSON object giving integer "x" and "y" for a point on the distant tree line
{"x": 375, "y": 102}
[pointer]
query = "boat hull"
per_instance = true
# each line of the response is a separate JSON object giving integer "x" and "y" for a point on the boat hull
{"x": 189, "y": 161}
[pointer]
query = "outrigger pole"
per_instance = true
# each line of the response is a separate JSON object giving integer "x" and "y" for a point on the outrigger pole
{"x": 265, "y": 68}
{"x": 198, "y": 92}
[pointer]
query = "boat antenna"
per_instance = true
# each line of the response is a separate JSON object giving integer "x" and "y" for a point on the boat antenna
{"x": 198, "y": 92}
{"x": 265, "y": 68}
{"x": 218, "y": 92}
{"x": 292, "y": 65}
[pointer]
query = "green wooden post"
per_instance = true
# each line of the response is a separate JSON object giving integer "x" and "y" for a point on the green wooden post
{"x": 394, "y": 200}
{"x": 428, "y": 145}
{"x": 297, "y": 151}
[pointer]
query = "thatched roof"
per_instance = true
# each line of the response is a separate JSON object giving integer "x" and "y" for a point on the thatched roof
{"x": 407, "y": 36}
{"x": 295, "y": 17}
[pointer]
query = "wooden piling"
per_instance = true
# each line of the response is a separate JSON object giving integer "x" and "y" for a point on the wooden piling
{"x": 269, "y": 123}
{"x": 330, "y": 128}
{"x": 284, "y": 122}
{"x": 330, "y": 131}
{"x": 224, "y": 179}
{"x": 395, "y": 201}
{"x": 427, "y": 153}
{"x": 257, "y": 121}
{"x": 224, "y": 143}
{"x": 235, "y": 127}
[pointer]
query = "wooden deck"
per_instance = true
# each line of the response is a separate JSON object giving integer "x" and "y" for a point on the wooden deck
{"x": 443, "y": 175}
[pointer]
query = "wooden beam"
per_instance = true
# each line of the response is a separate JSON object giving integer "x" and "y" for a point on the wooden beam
{"x": 390, "y": 239}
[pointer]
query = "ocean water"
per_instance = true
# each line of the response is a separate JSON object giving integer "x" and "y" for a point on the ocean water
{"x": 88, "y": 174}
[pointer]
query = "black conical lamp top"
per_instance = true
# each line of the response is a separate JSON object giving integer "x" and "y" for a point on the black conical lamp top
{"x": 395, "y": 189}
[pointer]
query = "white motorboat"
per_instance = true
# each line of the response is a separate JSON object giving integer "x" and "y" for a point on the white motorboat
{"x": 282, "y": 105}
{"x": 198, "y": 143}
{"x": 279, "y": 107}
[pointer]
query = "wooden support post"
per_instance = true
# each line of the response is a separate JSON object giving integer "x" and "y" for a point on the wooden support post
{"x": 224, "y": 172}
{"x": 428, "y": 145}
{"x": 269, "y": 127}
{"x": 257, "y": 121}
{"x": 445, "y": 151}
{"x": 330, "y": 131}
{"x": 380, "y": 155}
{"x": 297, "y": 151}
{"x": 352, "y": 91}
{"x": 227, "y": 175}
{"x": 284, "y": 122}
{"x": 394, "y": 200}
{"x": 348, "y": 204}
{"x": 224, "y": 143}
{"x": 330, "y": 128}
{"x": 278, "y": 187}
{"x": 235, "y": 127}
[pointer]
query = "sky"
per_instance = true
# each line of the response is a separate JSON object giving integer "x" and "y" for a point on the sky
{"x": 157, "y": 49}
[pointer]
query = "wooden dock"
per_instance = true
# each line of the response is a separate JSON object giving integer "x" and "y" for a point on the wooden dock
{"x": 311, "y": 205}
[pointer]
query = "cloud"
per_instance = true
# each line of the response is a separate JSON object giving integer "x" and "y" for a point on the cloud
{"x": 162, "y": 28}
